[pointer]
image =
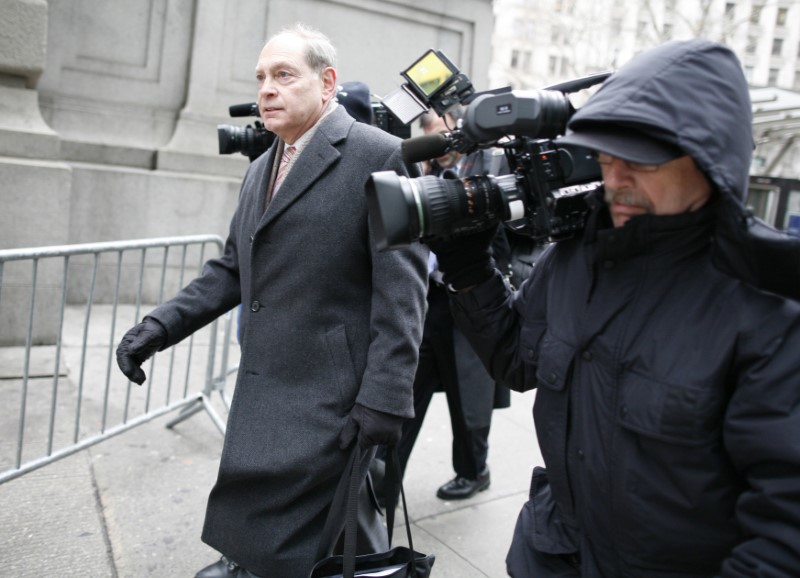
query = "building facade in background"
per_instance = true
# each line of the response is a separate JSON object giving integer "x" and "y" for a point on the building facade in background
{"x": 109, "y": 108}
{"x": 538, "y": 43}
{"x": 541, "y": 42}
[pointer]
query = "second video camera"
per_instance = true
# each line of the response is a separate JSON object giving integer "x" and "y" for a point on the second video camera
{"x": 251, "y": 141}
{"x": 544, "y": 195}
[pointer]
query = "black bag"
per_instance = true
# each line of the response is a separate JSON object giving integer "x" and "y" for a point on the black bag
{"x": 397, "y": 562}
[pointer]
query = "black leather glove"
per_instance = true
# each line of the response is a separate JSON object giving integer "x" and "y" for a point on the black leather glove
{"x": 467, "y": 260}
{"x": 138, "y": 345}
{"x": 372, "y": 427}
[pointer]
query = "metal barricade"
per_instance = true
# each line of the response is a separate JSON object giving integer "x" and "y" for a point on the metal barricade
{"x": 63, "y": 310}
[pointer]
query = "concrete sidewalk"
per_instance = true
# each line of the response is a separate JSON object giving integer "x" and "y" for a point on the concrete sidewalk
{"x": 133, "y": 506}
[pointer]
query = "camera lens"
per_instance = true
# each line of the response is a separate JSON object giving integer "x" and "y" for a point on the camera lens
{"x": 452, "y": 205}
{"x": 249, "y": 141}
{"x": 404, "y": 210}
{"x": 229, "y": 139}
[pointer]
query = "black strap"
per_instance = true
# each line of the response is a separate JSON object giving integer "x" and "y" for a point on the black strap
{"x": 349, "y": 486}
{"x": 351, "y": 517}
{"x": 333, "y": 527}
{"x": 393, "y": 482}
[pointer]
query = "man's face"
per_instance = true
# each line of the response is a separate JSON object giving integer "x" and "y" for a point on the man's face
{"x": 291, "y": 96}
{"x": 674, "y": 187}
{"x": 449, "y": 159}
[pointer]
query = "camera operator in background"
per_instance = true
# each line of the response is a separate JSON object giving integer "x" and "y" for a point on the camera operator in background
{"x": 447, "y": 165}
{"x": 354, "y": 96}
{"x": 446, "y": 360}
{"x": 663, "y": 342}
{"x": 330, "y": 330}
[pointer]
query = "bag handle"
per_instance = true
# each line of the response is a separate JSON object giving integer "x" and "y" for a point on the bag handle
{"x": 394, "y": 484}
{"x": 351, "y": 483}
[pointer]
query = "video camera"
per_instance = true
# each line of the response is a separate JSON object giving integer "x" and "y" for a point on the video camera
{"x": 543, "y": 197}
{"x": 251, "y": 141}
{"x": 385, "y": 120}
{"x": 431, "y": 82}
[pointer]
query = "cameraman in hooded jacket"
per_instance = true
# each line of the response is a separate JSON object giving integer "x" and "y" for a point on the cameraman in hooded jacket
{"x": 664, "y": 342}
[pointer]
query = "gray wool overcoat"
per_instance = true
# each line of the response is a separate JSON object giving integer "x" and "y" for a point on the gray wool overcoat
{"x": 327, "y": 321}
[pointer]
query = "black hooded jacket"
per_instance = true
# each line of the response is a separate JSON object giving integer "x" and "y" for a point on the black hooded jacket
{"x": 667, "y": 371}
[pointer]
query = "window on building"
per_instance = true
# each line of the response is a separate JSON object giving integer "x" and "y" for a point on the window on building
{"x": 514, "y": 58}
{"x": 564, "y": 66}
{"x": 796, "y": 85}
{"x": 780, "y": 20}
{"x": 773, "y": 77}
{"x": 752, "y": 44}
{"x": 641, "y": 29}
{"x": 616, "y": 27}
{"x": 667, "y": 31}
{"x": 748, "y": 74}
{"x": 730, "y": 10}
{"x": 553, "y": 65}
{"x": 526, "y": 60}
{"x": 755, "y": 13}
{"x": 777, "y": 46}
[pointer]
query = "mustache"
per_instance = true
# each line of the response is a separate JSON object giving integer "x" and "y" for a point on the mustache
{"x": 626, "y": 198}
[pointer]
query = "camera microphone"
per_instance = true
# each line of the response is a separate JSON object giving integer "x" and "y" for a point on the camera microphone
{"x": 246, "y": 109}
{"x": 424, "y": 148}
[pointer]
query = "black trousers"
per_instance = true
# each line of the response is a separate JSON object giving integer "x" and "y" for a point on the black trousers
{"x": 437, "y": 372}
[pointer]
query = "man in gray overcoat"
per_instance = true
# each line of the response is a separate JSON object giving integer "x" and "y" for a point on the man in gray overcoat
{"x": 330, "y": 327}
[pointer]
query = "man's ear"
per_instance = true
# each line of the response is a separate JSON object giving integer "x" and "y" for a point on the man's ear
{"x": 329, "y": 85}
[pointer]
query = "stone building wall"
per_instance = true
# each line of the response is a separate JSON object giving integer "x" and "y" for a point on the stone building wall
{"x": 109, "y": 108}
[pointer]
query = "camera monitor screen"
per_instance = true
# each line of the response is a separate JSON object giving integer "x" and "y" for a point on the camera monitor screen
{"x": 430, "y": 73}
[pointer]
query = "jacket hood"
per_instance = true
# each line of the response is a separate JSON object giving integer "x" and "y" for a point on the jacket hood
{"x": 691, "y": 94}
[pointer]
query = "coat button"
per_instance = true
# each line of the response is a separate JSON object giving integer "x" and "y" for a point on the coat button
{"x": 255, "y": 306}
{"x": 586, "y": 355}
{"x": 580, "y": 454}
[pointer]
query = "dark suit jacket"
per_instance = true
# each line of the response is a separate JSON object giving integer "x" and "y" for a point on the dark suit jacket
{"x": 327, "y": 321}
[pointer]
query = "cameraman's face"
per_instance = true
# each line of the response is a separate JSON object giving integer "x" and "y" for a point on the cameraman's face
{"x": 669, "y": 189}
{"x": 438, "y": 125}
{"x": 291, "y": 96}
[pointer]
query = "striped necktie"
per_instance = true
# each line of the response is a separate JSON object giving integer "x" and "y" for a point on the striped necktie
{"x": 288, "y": 153}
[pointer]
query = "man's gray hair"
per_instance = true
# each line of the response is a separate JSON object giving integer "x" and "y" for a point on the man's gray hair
{"x": 320, "y": 52}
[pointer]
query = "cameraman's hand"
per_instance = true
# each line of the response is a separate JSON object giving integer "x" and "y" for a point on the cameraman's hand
{"x": 465, "y": 261}
{"x": 372, "y": 427}
{"x": 138, "y": 345}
